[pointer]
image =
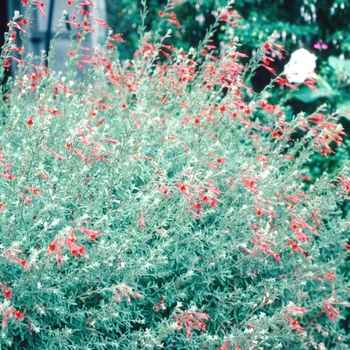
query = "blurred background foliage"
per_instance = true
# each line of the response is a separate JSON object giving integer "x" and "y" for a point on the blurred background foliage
{"x": 320, "y": 26}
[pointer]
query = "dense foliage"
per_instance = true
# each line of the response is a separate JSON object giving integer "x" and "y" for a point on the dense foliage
{"x": 162, "y": 203}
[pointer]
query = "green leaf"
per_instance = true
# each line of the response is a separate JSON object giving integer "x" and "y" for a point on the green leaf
{"x": 334, "y": 62}
{"x": 347, "y": 67}
{"x": 338, "y": 63}
{"x": 307, "y": 95}
{"x": 344, "y": 109}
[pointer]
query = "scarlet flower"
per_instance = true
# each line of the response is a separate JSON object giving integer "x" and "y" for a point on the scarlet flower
{"x": 160, "y": 301}
{"x": 255, "y": 228}
{"x": 19, "y": 314}
{"x": 142, "y": 220}
{"x": 53, "y": 246}
{"x": 295, "y": 247}
{"x": 318, "y": 279}
{"x": 57, "y": 156}
{"x": 196, "y": 215}
{"x": 117, "y": 38}
{"x": 346, "y": 183}
{"x": 40, "y": 6}
{"x": 212, "y": 165}
{"x": 330, "y": 311}
{"x": 236, "y": 346}
{"x": 258, "y": 211}
{"x": 9, "y": 177}
{"x": 78, "y": 153}
{"x": 115, "y": 142}
{"x": 35, "y": 191}
{"x": 330, "y": 276}
{"x": 20, "y": 261}
{"x": 296, "y": 309}
{"x": 164, "y": 190}
{"x": 7, "y": 64}
{"x": 30, "y": 121}
{"x": 294, "y": 323}
{"x": 250, "y": 184}
{"x": 220, "y": 161}
{"x": 72, "y": 237}
{"x": 7, "y": 292}
{"x": 91, "y": 233}
{"x": 183, "y": 189}
{"x": 75, "y": 249}
{"x": 59, "y": 255}
{"x": 197, "y": 206}
{"x": 25, "y": 198}
{"x": 251, "y": 252}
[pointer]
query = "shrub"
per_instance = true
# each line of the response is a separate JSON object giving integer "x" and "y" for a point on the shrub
{"x": 164, "y": 205}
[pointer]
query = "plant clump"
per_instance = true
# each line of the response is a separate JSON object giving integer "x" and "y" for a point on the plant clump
{"x": 162, "y": 203}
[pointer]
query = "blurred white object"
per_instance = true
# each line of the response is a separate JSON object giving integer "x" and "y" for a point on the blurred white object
{"x": 300, "y": 66}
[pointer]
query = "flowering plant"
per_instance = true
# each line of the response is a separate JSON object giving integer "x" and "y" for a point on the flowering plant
{"x": 301, "y": 66}
{"x": 163, "y": 205}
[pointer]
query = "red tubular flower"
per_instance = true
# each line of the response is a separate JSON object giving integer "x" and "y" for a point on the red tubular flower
{"x": 236, "y": 346}
{"x": 250, "y": 184}
{"x": 35, "y": 191}
{"x": 57, "y": 156}
{"x": 212, "y": 165}
{"x": 296, "y": 309}
{"x": 330, "y": 311}
{"x": 78, "y": 153}
{"x": 74, "y": 249}
{"x": 183, "y": 189}
{"x": 197, "y": 206}
{"x": 91, "y": 233}
{"x": 142, "y": 220}
{"x": 19, "y": 314}
{"x": 251, "y": 252}
{"x": 59, "y": 255}
{"x": 7, "y": 292}
{"x": 295, "y": 247}
{"x": 190, "y": 319}
{"x": 224, "y": 345}
{"x": 164, "y": 190}
{"x": 4, "y": 320}
{"x": 255, "y": 228}
{"x": 72, "y": 237}
{"x": 294, "y": 323}
{"x": 258, "y": 211}
{"x": 196, "y": 215}
{"x": 30, "y": 121}
{"x": 53, "y": 246}
{"x": 9, "y": 177}
{"x": 25, "y": 198}
{"x": 114, "y": 142}
{"x": 40, "y": 6}
{"x": 318, "y": 279}
{"x": 330, "y": 276}
{"x": 346, "y": 183}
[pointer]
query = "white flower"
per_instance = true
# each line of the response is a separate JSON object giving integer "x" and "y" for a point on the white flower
{"x": 300, "y": 66}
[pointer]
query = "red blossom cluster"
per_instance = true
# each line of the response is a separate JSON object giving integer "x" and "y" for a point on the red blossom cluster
{"x": 190, "y": 320}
